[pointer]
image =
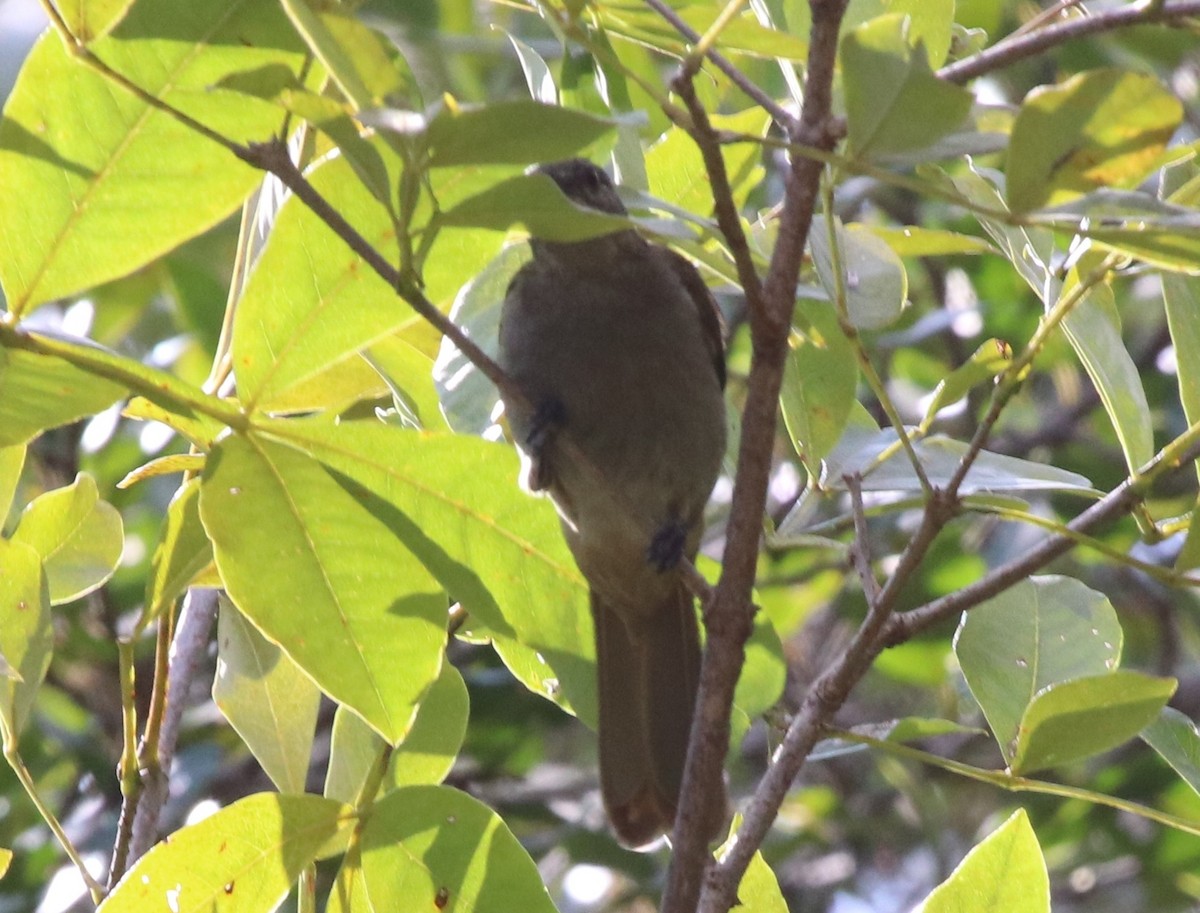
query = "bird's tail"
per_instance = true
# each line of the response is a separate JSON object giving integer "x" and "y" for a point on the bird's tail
{"x": 649, "y": 671}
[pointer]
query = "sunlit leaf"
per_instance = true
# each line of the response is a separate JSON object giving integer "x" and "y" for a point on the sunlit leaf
{"x": 38, "y": 392}
{"x": 266, "y": 698}
{"x": 292, "y": 541}
{"x": 1006, "y": 872}
{"x": 75, "y": 149}
{"x": 26, "y": 639}
{"x": 79, "y": 538}
{"x": 432, "y": 847}
{"x": 1102, "y": 128}
{"x": 245, "y": 857}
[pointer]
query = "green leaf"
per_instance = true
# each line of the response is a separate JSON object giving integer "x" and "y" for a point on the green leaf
{"x": 1174, "y": 736}
{"x": 1043, "y": 631}
{"x": 914, "y": 241}
{"x": 894, "y": 102}
{"x": 1094, "y": 330}
{"x": 266, "y": 698}
{"x": 819, "y": 382}
{"x": 930, "y": 23}
{"x": 26, "y": 638}
{"x": 873, "y": 277}
{"x": 428, "y": 751}
{"x": 306, "y": 558}
{"x": 432, "y": 847}
{"x": 761, "y": 681}
{"x": 75, "y": 149}
{"x": 1182, "y": 300}
{"x": 1136, "y": 224}
{"x": 989, "y": 360}
{"x": 535, "y": 202}
{"x": 1087, "y": 716}
{"x": 520, "y": 132}
{"x": 245, "y": 857}
{"x": 426, "y": 754}
{"x": 78, "y": 536}
{"x": 353, "y": 748}
{"x": 38, "y": 392}
{"x": 1004, "y": 873}
{"x": 468, "y": 398}
{"x": 1102, "y": 128}
{"x": 12, "y": 461}
{"x": 742, "y": 35}
{"x": 6, "y": 856}
{"x": 453, "y": 501}
{"x": 676, "y": 169}
{"x": 183, "y": 552}
{"x": 759, "y": 891}
{"x": 311, "y": 303}
{"x": 87, "y": 20}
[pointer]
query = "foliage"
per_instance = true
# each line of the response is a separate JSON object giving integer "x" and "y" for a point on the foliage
{"x": 232, "y": 232}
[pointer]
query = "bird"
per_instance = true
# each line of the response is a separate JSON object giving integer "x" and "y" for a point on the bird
{"x": 615, "y": 344}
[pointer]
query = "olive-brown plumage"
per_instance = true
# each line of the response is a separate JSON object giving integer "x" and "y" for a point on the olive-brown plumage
{"x": 617, "y": 342}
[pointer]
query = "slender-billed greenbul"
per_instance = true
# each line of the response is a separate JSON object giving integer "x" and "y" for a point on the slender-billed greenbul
{"x": 616, "y": 343}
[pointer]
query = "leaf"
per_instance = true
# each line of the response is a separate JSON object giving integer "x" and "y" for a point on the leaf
{"x": 87, "y": 20}
{"x": 1041, "y": 632}
{"x": 819, "y": 382}
{"x": 353, "y": 748}
{"x": 1093, "y": 328}
{"x": 311, "y": 303}
{"x": 12, "y": 461}
{"x": 758, "y": 891}
{"x": 742, "y": 35}
{"x": 266, "y": 698}
{"x": 435, "y": 848}
{"x": 676, "y": 169}
{"x": 26, "y": 638}
{"x": 182, "y": 553}
{"x": 79, "y": 538}
{"x": 454, "y": 503}
{"x": 1005, "y": 872}
{"x": 873, "y": 277}
{"x": 1136, "y": 224}
{"x": 428, "y": 751}
{"x": 314, "y": 568}
{"x": 537, "y": 74}
{"x": 1102, "y": 128}
{"x": 426, "y": 754}
{"x": 6, "y": 856}
{"x": 988, "y": 361}
{"x": 1173, "y": 735}
{"x": 468, "y": 398}
{"x": 914, "y": 241}
{"x": 520, "y": 132}
{"x": 1087, "y": 716}
{"x": 535, "y": 202}
{"x": 38, "y": 392}
{"x": 169, "y": 465}
{"x": 245, "y": 857}
{"x": 894, "y": 102}
{"x": 74, "y": 149}
{"x": 1182, "y": 300}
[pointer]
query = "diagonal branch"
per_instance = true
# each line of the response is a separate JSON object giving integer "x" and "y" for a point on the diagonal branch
{"x": 1018, "y": 47}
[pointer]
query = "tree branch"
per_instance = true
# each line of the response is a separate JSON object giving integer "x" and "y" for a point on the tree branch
{"x": 729, "y": 617}
{"x": 1012, "y": 49}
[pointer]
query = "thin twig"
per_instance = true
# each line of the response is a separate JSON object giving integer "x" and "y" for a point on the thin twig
{"x": 187, "y": 649}
{"x": 782, "y": 118}
{"x": 860, "y": 549}
{"x": 1010, "y": 50}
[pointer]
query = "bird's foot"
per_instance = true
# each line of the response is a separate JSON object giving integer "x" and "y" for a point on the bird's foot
{"x": 548, "y": 418}
{"x": 666, "y": 548}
